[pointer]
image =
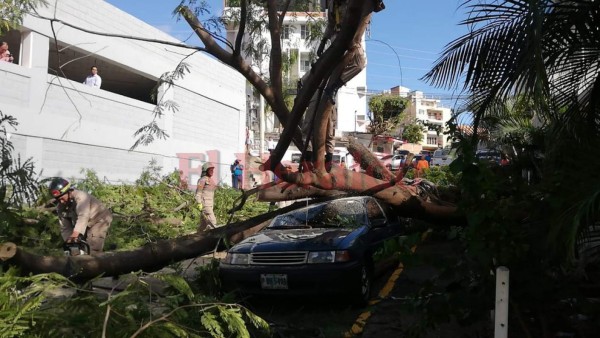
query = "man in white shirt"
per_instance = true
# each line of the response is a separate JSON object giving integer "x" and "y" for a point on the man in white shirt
{"x": 93, "y": 80}
{"x": 271, "y": 145}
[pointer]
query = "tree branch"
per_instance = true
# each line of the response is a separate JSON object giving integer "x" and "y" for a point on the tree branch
{"x": 129, "y": 37}
{"x": 243, "y": 68}
{"x": 241, "y": 30}
{"x": 284, "y": 12}
{"x": 368, "y": 162}
{"x": 275, "y": 57}
{"x": 359, "y": 12}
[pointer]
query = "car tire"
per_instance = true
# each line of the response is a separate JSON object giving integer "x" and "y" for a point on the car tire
{"x": 362, "y": 292}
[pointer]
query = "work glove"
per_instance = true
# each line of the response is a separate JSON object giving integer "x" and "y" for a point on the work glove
{"x": 77, "y": 239}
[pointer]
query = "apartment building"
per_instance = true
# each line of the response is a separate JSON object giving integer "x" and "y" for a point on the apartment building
{"x": 66, "y": 126}
{"x": 299, "y": 50}
{"x": 429, "y": 110}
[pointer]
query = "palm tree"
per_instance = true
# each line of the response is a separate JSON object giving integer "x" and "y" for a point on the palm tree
{"x": 545, "y": 53}
{"x": 548, "y": 52}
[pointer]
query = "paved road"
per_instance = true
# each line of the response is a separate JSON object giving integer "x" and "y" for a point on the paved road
{"x": 389, "y": 318}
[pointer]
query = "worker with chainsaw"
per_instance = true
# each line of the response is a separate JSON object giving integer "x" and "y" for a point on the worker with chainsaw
{"x": 205, "y": 197}
{"x": 81, "y": 215}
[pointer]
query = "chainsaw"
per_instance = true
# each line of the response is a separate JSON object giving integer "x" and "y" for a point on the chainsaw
{"x": 77, "y": 247}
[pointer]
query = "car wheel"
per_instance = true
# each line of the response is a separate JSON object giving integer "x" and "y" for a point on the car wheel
{"x": 362, "y": 293}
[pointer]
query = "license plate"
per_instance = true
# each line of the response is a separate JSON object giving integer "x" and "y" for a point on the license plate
{"x": 273, "y": 281}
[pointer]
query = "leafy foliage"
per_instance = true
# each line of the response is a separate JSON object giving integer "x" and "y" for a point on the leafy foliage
{"x": 441, "y": 176}
{"x": 22, "y": 298}
{"x": 156, "y": 207}
{"x": 387, "y": 111}
{"x": 532, "y": 69}
{"x": 18, "y": 183}
{"x": 34, "y": 305}
{"x": 413, "y": 132}
{"x": 12, "y": 12}
{"x": 152, "y": 131}
{"x": 17, "y": 178}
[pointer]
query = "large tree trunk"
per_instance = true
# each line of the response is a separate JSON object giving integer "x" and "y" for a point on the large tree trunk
{"x": 150, "y": 257}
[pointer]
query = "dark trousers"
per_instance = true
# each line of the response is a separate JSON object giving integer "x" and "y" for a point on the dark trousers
{"x": 237, "y": 181}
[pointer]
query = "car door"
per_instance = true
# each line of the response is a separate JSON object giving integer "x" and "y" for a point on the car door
{"x": 380, "y": 231}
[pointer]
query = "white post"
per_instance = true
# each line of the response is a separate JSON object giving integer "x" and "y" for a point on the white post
{"x": 501, "y": 311}
{"x": 261, "y": 126}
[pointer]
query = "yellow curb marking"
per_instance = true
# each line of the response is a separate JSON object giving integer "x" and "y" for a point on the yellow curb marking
{"x": 361, "y": 321}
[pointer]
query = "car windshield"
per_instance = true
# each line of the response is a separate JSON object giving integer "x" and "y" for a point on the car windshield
{"x": 334, "y": 214}
{"x": 442, "y": 152}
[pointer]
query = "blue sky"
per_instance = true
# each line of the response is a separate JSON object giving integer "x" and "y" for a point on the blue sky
{"x": 406, "y": 38}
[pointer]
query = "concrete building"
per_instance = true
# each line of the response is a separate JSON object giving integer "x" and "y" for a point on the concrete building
{"x": 300, "y": 51}
{"x": 66, "y": 126}
{"x": 429, "y": 110}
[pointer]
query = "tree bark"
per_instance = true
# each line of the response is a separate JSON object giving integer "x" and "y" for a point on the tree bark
{"x": 151, "y": 257}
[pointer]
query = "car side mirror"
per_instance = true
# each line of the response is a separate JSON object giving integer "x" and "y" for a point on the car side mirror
{"x": 378, "y": 223}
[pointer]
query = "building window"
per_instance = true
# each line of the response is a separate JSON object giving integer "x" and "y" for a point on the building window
{"x": 431, "y": 140}
{"x": 304, "y": 65}
{"x": 285, "y": 33}
{"x": 304, "y": 32}
{"x": 421, "y": 111}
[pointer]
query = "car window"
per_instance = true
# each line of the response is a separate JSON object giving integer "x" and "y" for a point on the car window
{"x": 374, "y": 211}
{"x": 333, "y": 214}
{"x": 487, "y": 154}
{"x": 438, "y": 153}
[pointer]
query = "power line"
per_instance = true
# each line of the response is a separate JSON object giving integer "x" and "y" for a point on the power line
{"x": 398, "y": 55}
{"x": 412, "y": 50}
{"x": 393, "y": 66}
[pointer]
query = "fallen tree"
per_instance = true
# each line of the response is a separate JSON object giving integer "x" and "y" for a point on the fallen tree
{"x": 374, "y": 179}
{"x": 151, "y": 257}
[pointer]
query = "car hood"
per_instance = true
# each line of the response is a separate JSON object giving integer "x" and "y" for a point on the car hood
{"x": 296, "y": 240}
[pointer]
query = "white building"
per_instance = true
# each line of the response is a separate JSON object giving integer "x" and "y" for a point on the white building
{"x": 66, "y": 126}
{"x": 351, "y": 99}
{"x": 429, "y": 110}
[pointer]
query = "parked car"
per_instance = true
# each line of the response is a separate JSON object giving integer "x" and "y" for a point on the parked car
{"x": 443, "y": 156}
{"x": 490, "y": 156}
{"x": 393, "y": 162}
{"x": 333, "y": 247}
